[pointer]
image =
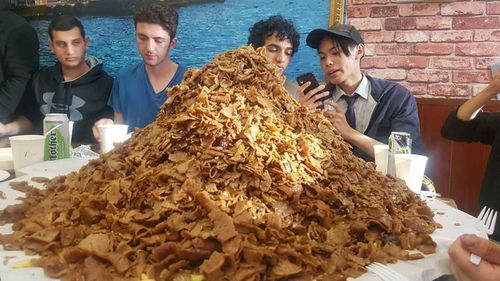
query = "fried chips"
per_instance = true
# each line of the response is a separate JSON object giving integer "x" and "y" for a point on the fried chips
{"x": 233, "y": 181}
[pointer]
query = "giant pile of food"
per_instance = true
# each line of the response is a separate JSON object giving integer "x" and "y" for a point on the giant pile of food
{"x": 233, "y": 181}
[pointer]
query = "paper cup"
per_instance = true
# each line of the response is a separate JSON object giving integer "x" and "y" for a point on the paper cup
{"x": 111, "y": 134}
{"x": 411, "y": 168}
{"x": 381, "y": 153}
{"x": 26, "y": 150}
{"x": 71, "y": 123}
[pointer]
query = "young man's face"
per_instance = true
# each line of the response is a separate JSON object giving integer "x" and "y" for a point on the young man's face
{"x": 69, "y": 47}
{"x": 154, "y": 43}
{"x": 338, "y": 67}
{"x": 279, "y": 51}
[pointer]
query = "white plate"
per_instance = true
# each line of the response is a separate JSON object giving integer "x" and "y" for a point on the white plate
{"x": 454, "y": 222}
{"x": 6, "y": 162}
{"x": 4, "y": 175}
{"x": 54, "y": 168}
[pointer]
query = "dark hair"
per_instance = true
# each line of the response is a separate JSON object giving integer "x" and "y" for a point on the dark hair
{"x": 345, "y": 43}
{"x": 65, "y": 23}
{"x": 283, "y": 28}
{"x": 161, "y": 14}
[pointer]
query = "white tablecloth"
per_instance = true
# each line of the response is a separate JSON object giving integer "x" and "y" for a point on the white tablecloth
{"x": 454, "y": 222}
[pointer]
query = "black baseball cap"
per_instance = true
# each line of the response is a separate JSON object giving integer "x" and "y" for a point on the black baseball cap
{"x": 343, "y": 30}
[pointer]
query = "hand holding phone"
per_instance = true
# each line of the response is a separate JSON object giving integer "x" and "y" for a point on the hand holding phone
{"x": 309, "y": 77}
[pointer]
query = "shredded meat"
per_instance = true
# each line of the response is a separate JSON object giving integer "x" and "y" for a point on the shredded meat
{"x": 233, "y": 181}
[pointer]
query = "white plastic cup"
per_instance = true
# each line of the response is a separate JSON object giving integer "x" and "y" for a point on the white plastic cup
{"x": 111, "y": 134}
{"x": 411, "y": 168}
{"x": 381, "y": 153}
{"x": 26, "y": 150}
{"x": 71, "y": 123}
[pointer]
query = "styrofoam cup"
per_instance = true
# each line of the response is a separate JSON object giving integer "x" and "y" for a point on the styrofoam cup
{"x": 111, "y": 134}
{"x": 26, "y": 150}
{"x": 71, "y": 123}
{"x": 411, "y": 168}
{"x": 381, "y": 154}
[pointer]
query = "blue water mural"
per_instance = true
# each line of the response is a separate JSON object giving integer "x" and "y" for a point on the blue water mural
{"x": 204, "y": 31}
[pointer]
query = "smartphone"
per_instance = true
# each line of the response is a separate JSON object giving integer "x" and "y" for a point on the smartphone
{"x": 309, "y": 77}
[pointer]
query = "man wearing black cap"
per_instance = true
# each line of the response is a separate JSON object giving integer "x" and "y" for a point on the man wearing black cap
{"x": 365, "y": 110}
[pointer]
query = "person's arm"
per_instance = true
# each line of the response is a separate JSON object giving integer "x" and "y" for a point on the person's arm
{"x": 464, "y": 270}
{"x": 469, "y": 124}
{"x": 113, "y": 102}
{"x": 20, "y": 125}
{"x": 118, "y": 116}
{"x": 470, "y": 108}
{"x": 357, "y": 139}
{"x": 21, "y": 61}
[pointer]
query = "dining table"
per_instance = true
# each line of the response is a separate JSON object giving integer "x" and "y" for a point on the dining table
{"x": 432, "y": 267}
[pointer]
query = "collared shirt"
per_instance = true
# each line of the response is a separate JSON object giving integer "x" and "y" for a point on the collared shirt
{"x": 363, "y": 106}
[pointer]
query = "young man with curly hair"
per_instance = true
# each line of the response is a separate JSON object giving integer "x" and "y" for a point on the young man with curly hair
{"x": 141, "y": 89}
{"x": 281, "y": 40}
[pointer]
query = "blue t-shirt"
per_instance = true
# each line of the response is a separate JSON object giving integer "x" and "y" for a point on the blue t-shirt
{"x": 134, "y": 96}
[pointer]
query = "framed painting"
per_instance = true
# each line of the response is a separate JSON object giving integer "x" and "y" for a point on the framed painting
{"x": 204, "y": 30}
{"x": 338, "y": 12}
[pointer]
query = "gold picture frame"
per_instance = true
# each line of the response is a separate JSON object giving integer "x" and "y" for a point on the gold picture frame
{"x": 424, "y": 1}
{"x": 337, "y": 12}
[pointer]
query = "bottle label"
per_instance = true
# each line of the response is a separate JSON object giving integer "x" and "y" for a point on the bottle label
{"x": 57, "y": 141}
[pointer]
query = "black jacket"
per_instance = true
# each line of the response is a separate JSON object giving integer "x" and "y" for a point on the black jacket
{"x": 18, "y": 59}
{"x": 485, "y": 128}
{"x": 83, "y": 99}
{"x": 396, "y": 111}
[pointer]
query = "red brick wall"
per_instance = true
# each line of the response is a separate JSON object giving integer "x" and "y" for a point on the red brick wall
{"x": 434, "y": 48}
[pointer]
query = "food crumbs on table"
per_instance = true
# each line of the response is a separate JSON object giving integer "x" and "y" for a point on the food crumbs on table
{"x": 234, "y": 180}
{"x": 40, "y": 179}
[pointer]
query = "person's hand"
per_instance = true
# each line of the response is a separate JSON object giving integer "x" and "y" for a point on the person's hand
{"x": 311, "y": 99}
{"x": 464, "y": 270}
{"x": 337, "y": 118}
{"x": 95, "y": 128}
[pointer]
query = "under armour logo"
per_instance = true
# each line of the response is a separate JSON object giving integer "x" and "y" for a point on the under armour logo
{"x": 74, "y": 114}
